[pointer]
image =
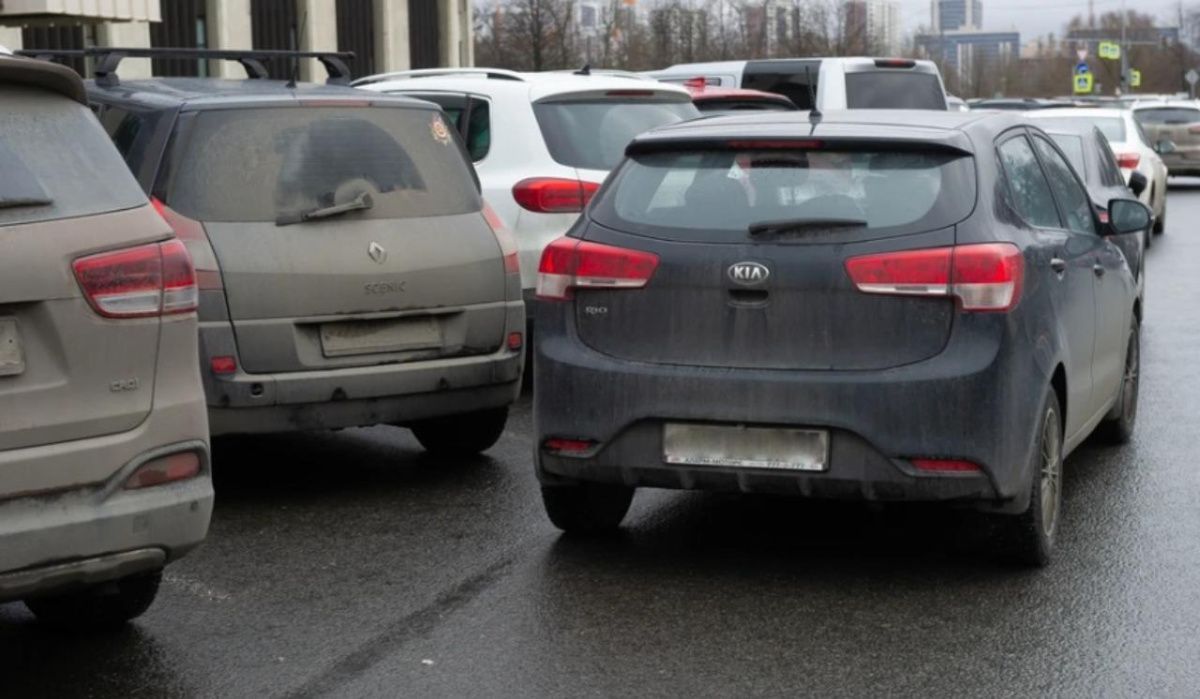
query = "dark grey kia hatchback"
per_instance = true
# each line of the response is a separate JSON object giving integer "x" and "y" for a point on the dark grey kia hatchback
{"x": 889, "y": 306}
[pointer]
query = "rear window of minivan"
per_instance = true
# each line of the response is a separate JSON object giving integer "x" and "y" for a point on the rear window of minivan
{"x": 718, "y": 195}
{"x": 891, "y": 89}
{"x": 269, "y": 163}
{"x": 56, "y": 162}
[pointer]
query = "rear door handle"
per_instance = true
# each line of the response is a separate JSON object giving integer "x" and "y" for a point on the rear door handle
{"x": 1058, "y": 264}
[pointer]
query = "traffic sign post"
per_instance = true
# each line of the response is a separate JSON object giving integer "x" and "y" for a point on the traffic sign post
{"x": 1192, "y": 77}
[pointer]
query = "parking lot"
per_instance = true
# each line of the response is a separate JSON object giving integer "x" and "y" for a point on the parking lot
{"x": 353, "y": 564}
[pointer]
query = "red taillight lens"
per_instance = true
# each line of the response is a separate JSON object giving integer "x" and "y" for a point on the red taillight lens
{"x": 568, "y": 446}
{"x": 895, "y": 63}
{"x": 169, "y": 469}
{"x": 223, "y": 365}
{"x": 1128, "y": 161}
{"x": 516, "y": 341}
{"x": 945, "y": 465}
{"x": 192, "y": 234}
{"x": 984, "y": 277}
{"x": 568, "y": 263}
{"x": 551, "y": 195}
{"x": 147, "y": 280}
{"x": 1195, "y": 129}
{"x": 508, "y": 245}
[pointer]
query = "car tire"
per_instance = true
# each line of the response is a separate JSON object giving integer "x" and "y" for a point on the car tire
{"x": 104, "y": 606}
{"x": 461, "y": 435}
{"x": 587, "y": 509}
{"x": 1031, "y": 534}
{"x": 1118, "y": 426}
{"x": 1160, "y": 221}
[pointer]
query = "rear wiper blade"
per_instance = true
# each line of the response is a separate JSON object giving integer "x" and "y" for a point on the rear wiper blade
{"x": 359, "y": 203}
{"x": 802, "y": 225}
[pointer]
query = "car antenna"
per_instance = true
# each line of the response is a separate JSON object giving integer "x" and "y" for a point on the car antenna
{"x": 814, "y": 114}
{"x": 295, "y": 41}
{"x": 585, "y": 70}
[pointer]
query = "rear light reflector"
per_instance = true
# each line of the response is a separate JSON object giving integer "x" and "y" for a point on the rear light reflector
{"x": 568, "y": 264}
{"x": 983, "y": 277}
{"x": 223, "y": 365}
{"x": 508, "y": 244}
{"x": 169, "y": 469}
{"x": 516, "y": 341}
{"x": 1128, "y": 161}
{"x": 552, "y": 195}
{"x": 945, "y": 465}
{"x": 569, "y": 446}
{"x": 147, "y": 280}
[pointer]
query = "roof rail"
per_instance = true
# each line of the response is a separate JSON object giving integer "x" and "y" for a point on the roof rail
{"x": 490, "y": 73}
{"x": 108, "y": 58}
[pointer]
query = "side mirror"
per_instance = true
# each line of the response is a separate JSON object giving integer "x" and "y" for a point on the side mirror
{"x": 1128, "y": 216}
{"x": 1164, "y": 147}
{"x": 1137, "y": 183}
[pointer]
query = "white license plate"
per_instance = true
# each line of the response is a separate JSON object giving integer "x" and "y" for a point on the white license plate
{"x": 376, "y": 336}
{"x": 776, "y": 448}
{"x": 12, "y": 360}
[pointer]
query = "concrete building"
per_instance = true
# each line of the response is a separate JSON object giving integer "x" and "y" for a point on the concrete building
{"x": 966, "y": 51}
{"x": 953, "y": 15}
{"x": 883, "y": 25}
{"x": 385, "y": 35}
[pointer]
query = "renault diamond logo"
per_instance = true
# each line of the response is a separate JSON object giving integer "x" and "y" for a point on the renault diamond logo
{"x": 377, "y": 252}
{"x": 748, "y": 273}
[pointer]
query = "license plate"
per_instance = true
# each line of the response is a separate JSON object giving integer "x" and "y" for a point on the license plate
{"x": 12, "y": 360}
{"x": 774, "y": 448}
{"x": 377, "y": 336}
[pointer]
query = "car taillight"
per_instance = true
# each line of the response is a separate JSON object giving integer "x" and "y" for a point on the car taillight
{"x": 1194, "y": 129}
{"x": 568, "y": 447}
{"x": 508, "y": 245}
{"x": 552, "y": 195}
{"x": 1128, "y": 161}
{"x": 983, "y": 277}
{"x": 568, "y": 263}
{"x": 169, "y": 469}
{"x": 147, "y": 280}
{"x": 191, "y": 232}
{"x": 223, "y": 365}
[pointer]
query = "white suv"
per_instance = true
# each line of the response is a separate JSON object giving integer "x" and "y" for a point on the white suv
{"x": 542, "y": 143}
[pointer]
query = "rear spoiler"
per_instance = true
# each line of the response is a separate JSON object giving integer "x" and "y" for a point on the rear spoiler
{"x": 109, "y": 58}
{"x": 50, "y": 76}
{"x": 735, "y": 142}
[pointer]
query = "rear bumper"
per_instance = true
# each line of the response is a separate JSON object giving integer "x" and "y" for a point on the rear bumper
{"x": 54, "y": 542}
{"x": 977, "y": 400}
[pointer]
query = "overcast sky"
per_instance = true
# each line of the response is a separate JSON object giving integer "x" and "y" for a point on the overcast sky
{"x": 1037, "y": 17}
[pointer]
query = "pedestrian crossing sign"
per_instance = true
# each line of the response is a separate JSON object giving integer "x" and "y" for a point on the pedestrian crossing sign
{"x": 1135, "y": 78}
{"x": 1083, "y": 84}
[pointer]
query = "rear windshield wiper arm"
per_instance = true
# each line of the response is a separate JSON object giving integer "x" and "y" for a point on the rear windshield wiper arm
{"x": 359, "y": 203}
{"x": 802, "y": 225}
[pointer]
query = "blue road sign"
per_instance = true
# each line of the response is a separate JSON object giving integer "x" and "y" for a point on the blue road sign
{"x": 1082, "y": 68}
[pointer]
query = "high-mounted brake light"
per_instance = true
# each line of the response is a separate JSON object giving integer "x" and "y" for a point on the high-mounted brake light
{"x": 895, "y": 63}
{"x": 1128, "y": 161}
{"x": 138, "y": 282}
{"x": 807, "y": 144}
{"x": 697, "y": 83}
{"x": 553, "y": 195}
{"x": 983, "y": 277}
{"x": 568, "y": 264}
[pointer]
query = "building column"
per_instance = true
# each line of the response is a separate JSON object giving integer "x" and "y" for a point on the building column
{"x": 391, "y": 36}
{"x": 131, "y": 35}
{"x": 228, "y": 23}
{"x": 318, "y": 32}
{"x": 10, "y": 38}
{"x": 457, "y": 42}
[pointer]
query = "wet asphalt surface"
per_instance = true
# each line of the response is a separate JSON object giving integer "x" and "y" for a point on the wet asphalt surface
{"x": 350, "y": 564}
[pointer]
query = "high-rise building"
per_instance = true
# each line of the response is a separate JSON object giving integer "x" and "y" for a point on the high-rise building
{"x": 872, "y": 26}
{"x": 952, "y": 15}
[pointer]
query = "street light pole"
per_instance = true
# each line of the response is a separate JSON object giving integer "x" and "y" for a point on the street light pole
{"x": 1124, "y": 81}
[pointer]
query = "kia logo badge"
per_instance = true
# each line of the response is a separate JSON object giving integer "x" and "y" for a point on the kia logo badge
{"x": 748, "y": 273}
{"x": 377, "y": 252}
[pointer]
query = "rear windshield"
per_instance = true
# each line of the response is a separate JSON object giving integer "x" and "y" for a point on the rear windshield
{"x": 265, "y": 164}
{"x": 56, "y": 162}
{"x": 717, "y": 196}
{"x": 1168, "y": 115}
{"x": 1073, "y": 147}
{"x": 1113, "y": 128}
{"x": 592, "y": 135}
{"x": 890, "y": 89}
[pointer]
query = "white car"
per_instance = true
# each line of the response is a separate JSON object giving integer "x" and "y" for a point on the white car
{"x": 1131, "y": 145}
{"x": 1174, "y": 125}
{"x": 841, "y": 83}
{"x": 542, "y": 143}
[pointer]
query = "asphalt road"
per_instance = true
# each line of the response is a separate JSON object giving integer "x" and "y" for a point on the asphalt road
{"x": 350, "y": 564}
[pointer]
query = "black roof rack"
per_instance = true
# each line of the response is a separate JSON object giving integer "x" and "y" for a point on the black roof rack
{"x": 108, "y": 58}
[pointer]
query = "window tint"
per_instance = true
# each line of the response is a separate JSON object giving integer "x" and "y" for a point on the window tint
{"x": 1073, "y": 147}
{"x": 1027, "y": 184}
{"x": 888, "y": 89}
{"x": 262, "y": 163}
{"x": 56, "y": 162}
{"x": 1110, "y": 172}
{"x": 717, "y": 195}
{"x": 1072, "y": 197}
{"x": 791, "y": 79}
{"x": 1167, "y": 115}
{"x": 1113, "y": 128}
{"x": 479, "y": 130}
{"x": 593, "y": 135}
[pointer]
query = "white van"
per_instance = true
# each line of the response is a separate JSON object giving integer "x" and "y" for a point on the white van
{"x": 840, "y": 83}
